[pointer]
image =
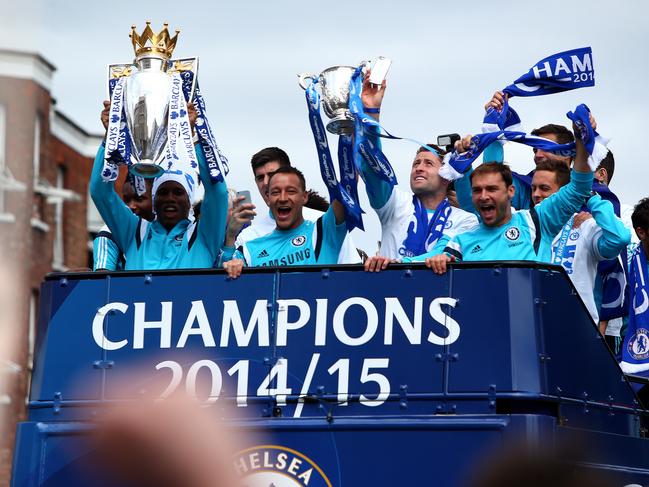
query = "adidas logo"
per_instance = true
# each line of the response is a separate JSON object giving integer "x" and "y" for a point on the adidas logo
{"x": 263, "y": 253}
{"x": 476, "y": 249}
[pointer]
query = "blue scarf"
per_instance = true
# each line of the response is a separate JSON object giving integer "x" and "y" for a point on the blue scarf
{"x": 422, "y": 232}
{"x": 560, "y": 72}
{"x": 635, "y": 351}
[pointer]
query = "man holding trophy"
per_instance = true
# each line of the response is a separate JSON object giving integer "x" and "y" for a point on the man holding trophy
{"x": 149, "y": 130}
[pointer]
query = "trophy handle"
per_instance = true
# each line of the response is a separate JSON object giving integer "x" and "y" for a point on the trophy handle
{"x": 302, "y": 78}
{"x": 118, "y": 71}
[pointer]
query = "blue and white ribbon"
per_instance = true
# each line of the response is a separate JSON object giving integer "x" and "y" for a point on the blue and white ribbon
{"x": 217, "y": 163}
{"x": 115, "y": 153}
{"x": 363, "y": 146}
{"x": 179, "y": 129}
{"x": 560, "y": 72}
{"x": 635, "y": 350}
{"x": 353, "y": 211}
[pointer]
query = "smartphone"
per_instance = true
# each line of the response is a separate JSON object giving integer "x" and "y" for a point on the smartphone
{"x": 247, "y": 199}
{"x": 448, "y": 141}
{"x": 380, "y": 68}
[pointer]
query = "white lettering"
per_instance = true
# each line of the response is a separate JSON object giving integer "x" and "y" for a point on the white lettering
{"x": 164, "y": 325}
{"x": 372, "y": 322}
{"x": 281, "y": 461}
{"x": 305, "y": 476}
{"x": 197, "y": 314}
{"x": 561, "y": 66}
{"x": 295, "y": 464}
{"x": 254, "y": 461}
{"x": 232, "y": 319}
{"x": 321, "y": 322}
{"x": 579, "y": 65}
{"x": 447, "y": 322}
{"x": 283, "y": 324}
{"x": 240, "y": 466}
{"x": 412, "y": 330}
{"x": 98, "y": 327}
{"x": 546, "y": 69}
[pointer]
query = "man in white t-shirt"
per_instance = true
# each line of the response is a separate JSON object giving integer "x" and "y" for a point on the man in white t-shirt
{"x": 420, "y": 220}
{"x": 587, "y": 238}
{"x": 264, "y": 163}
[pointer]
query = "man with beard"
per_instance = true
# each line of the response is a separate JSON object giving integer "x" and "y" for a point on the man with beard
{"x": 504, "y": 234}
{"x": 412, "y": 222}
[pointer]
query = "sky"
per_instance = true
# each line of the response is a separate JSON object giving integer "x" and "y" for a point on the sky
{"x": 448, "y": 59}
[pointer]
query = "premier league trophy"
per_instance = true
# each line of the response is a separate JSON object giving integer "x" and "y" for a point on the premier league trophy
{"x": 145, "y": 98}
{"x": 334, "y": 83}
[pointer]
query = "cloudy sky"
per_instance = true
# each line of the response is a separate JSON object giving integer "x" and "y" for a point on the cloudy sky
{"x": 448, "y": 58}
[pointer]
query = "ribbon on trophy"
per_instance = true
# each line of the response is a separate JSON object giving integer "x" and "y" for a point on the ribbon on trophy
{"x": 217, "y": 162}
{"x": 118, "y": 138}
{"x": 635, "y": 350}
{"x": 353, "y": 211}
{"x": 179, "y": 129}
{"x": 364, "y": 147}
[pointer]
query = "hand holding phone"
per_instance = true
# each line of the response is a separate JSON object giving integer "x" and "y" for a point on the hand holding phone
{"x": 380, "y": 68}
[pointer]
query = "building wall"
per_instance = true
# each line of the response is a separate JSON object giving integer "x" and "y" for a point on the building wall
{"x": 28, "y": 225}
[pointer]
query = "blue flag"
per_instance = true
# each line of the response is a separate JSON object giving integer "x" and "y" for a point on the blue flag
{"x": 560, "y": 72}
{"x": 635, "y": 351}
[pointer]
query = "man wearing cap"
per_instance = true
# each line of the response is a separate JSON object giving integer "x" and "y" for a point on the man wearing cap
{"x": 174, "y": 239}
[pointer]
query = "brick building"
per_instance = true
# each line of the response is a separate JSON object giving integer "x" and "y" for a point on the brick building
{"x": 46, "y": 218}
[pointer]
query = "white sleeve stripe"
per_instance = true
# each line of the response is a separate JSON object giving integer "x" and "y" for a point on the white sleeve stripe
{"x": 454, "y": 245}
{"x": 246, "y": 255}
{"x": 531, "y": 226}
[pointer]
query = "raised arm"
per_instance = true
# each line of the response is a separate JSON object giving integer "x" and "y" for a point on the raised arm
{"x": 214, "y": 210}
{"x": 615, "y": 236}
{"x": 120, "y": 220}
{"x": 378, "y": 190}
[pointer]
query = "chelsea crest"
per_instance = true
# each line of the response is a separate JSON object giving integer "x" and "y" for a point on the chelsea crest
{"x": 278, "y": 466}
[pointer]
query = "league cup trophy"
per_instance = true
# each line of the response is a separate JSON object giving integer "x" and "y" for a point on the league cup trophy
{"x": 147, "y": 93}
{"x": 334, "y": 84}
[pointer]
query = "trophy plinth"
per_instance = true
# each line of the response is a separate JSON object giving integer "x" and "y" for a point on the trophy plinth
{"x": 342, "y": 123}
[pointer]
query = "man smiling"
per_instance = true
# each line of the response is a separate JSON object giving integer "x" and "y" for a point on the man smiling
{"x": 173, "y": 240}
{"x": 295, "y": 241}
{"x": 412, "y": 222}
{"x": 505, "y": 234}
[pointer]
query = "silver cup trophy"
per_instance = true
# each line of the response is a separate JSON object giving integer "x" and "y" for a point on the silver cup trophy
{"x": 147, "y": 93}
{"x": 334, "y": 84}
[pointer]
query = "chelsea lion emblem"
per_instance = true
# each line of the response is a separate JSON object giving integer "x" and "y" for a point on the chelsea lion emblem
{"x": 638, "y": 345}
{"x": 298, "y": 241}
{"x": 512, "y": 233}
{"x": 278, "y": 466}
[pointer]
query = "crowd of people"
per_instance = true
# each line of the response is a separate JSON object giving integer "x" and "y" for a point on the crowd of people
{"x": 561, "y": 213}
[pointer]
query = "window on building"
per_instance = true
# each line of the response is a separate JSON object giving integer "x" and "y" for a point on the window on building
{"x": 7, "y": 181}
{"x": 33, "y": 322}
{"x": 37, "y": 150}
{"x": 58, "y": 255}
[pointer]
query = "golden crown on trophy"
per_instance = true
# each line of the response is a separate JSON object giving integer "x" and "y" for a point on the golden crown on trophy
{"x": 150, "y": 42}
